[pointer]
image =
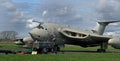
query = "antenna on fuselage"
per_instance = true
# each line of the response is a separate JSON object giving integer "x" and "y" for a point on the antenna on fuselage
{"x": 40, "y": 23}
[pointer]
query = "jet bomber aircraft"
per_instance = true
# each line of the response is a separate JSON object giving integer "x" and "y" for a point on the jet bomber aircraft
{"x": 53, "y": 36}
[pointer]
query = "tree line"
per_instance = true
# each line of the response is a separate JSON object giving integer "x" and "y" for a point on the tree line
{"x": 8, "y": 34}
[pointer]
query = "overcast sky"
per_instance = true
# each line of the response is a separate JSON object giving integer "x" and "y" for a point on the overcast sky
{"x": 17, "y": 15}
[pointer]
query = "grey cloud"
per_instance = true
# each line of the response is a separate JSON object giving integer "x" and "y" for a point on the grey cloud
{"x": 78, "y": 14}
{"x": 12, "y": 17}
{"x": 62, "y": 11}
{"x": 109, "y": 10}
{"x": 56, "y": 9}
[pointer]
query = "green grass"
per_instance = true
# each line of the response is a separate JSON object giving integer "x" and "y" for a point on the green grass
{"x": 63, "y": 57}
{"x": 9, "y": 46}
{"x": 74, "y": 48}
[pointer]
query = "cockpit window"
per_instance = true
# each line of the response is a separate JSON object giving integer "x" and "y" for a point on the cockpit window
{"x": 42, "y": 27}
{"x": 38, "y": 36}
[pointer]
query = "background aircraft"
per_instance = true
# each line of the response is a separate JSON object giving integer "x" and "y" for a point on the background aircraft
{"x": 60, "y": 35}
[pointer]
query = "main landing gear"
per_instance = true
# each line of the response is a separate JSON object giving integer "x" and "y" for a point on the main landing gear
{"x": 103, "y": 47}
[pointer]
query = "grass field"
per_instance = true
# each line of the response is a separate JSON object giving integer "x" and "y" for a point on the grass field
{"x": 63, "y": 57}
{"x": 80, "y": 56}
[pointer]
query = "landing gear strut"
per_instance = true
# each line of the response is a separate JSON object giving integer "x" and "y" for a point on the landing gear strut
{"x": 103, "y": 47}
{"x": 56, "y": 49}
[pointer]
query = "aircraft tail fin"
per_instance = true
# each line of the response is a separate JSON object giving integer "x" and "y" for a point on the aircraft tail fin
{"x": 102, "y": 26}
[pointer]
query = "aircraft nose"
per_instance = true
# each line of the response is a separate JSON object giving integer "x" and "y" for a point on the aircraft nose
{"x": 18, "y": 43}
{"x": 39, "y": 34}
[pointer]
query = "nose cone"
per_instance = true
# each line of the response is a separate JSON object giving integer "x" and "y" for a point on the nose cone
{"x": 19, "y": 43}
{"x": 27, "y": 39}
{"x": 40, "y": 34}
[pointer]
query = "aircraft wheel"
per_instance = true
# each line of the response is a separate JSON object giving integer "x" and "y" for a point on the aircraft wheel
{"x": 58, "y": 48}
{"x": 101, "y": 50}
{"x": 52, "y": 50}
{"x": 45, "y": 50}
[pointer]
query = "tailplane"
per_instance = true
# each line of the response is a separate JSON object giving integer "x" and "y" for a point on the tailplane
{"x": 102, "y": 26}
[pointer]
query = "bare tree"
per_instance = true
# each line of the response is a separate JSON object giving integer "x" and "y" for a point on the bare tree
{"x": 8, "y": 34}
